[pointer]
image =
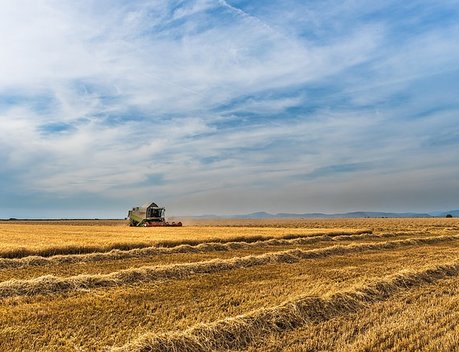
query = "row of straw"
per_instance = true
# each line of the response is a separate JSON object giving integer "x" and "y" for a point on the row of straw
{"x": 240, "y": 331}
{"x": 11, "y": 263}
{"x": 21, "y": 252}
{"x": 53, "y": 284}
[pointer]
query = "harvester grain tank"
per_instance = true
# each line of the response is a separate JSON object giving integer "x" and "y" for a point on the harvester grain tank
{"x": 149, "y": 215}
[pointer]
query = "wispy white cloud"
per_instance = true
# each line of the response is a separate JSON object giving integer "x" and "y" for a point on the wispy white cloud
{"x": 188, "y": 101}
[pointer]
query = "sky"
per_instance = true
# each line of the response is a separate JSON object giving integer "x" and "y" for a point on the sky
{"x": 228, "y": 106}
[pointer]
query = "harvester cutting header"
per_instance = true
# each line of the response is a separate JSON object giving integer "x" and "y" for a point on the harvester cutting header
{"x": 149, "y": 215}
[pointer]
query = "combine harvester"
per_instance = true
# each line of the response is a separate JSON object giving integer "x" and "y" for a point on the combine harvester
{"x": 149, "y": 216}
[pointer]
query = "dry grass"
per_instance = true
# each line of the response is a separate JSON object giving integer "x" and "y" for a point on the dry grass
{"x": 376, "y": 224}
{"x": 20, "y": 240}
{"x": 238, "y": 332}
{"x": 205, "y": 247}
{"x": 51, "y": 284}
{"x": 421, "y": 319}
{"x": 94, "y": 319}
{"x": 385, "y": 291}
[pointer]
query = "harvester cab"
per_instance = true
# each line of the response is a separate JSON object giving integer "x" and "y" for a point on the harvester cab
{"x": 149, "y": 215}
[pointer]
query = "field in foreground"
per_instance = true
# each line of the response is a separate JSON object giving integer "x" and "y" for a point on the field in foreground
{"x": 296, "y": 285}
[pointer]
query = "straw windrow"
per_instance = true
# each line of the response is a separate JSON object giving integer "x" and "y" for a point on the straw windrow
{"x": 10, "y": 263}
{"x": 53, "y": 285}
{"x": 238, "y": 332}
{"x": 22, "y": 252}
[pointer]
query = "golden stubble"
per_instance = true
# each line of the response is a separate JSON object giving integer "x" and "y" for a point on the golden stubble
{"x": 139, "y": 312}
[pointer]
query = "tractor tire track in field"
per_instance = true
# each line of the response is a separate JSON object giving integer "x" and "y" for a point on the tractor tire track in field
{"x": 87, "y": 249}
{"x": 53, "y": 285}
{"x": 10, "y": 263}
{"x": 238, "y": 332}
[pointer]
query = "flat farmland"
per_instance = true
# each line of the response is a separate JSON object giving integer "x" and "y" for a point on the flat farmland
{"x": 271, "y": 285}
{"x": 60, "y": 237}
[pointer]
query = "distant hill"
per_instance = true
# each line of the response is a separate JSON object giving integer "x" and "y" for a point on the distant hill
{"x": 452, "y": 212}
{"x": 355, "y": 214}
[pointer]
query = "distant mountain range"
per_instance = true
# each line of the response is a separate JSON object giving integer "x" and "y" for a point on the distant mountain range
{"x": 444, "y": 213}
{"x": 355, "y": 214}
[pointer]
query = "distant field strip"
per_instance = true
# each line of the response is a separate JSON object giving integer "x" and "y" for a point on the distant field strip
{"x": 22, "y": 252}
{"x": 238, "y": 332}
{"x": 53, "y": 284}
{"x": 10, "y": 263}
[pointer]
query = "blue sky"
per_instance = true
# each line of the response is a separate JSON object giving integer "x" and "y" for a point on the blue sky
{"x": 228, "y": 106}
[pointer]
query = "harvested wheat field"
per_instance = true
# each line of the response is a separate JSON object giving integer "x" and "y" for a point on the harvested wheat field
{"x": 249, "y": 285}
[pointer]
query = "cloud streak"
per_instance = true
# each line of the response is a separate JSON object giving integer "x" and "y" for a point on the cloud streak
{"x": 207, "y": 105}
